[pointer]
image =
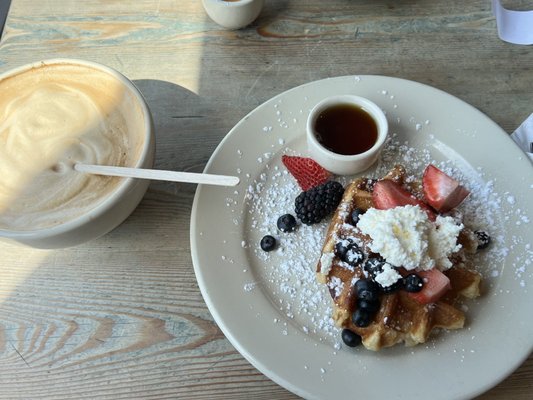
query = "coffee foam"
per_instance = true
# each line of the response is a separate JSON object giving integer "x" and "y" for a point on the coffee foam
{"x": 51, "y": 117}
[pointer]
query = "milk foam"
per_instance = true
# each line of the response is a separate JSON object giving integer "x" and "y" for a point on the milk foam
{"x": 50, "y": 118}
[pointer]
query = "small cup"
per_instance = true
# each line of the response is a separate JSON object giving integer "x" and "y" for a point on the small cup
{"x": 233, "y": 14}
{"x": 346, "y": 164}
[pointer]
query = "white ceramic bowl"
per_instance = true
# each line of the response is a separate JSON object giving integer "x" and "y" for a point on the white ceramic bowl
{"x": 118, "y": 203}
{"x": 341, "y": 164}
{"x": 234, "y": 14}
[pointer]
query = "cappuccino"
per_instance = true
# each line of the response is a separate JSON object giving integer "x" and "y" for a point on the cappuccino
{"x": 51, "y": 117}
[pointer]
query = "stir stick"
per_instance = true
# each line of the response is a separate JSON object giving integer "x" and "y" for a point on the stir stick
{"x": 158, "y": 175}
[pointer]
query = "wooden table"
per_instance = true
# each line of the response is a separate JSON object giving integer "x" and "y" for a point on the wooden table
{"x": 122, "y": 317}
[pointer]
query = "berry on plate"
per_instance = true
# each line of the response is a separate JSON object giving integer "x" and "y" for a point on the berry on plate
{"x": 435, "y": 284}
{"x": 354, "y": 216}
{"x": 389, "y": 194}
{"x": 286, "y": 223}
{"x": 342, "y": 246}
{"x": 313, "y": 205}
{"x": 268, "y": 243}
{"x": 413, "y": 283}
{"x": 441, "y": 191}
{"x": 350, "y": 338}
{"x": 307, "y": 172}
{"x": 362, "y": 317}
{"x": 483, "y": 239}
{"x": 367, "y": 290}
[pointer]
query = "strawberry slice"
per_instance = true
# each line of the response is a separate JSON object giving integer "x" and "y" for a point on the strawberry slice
{"x": 389, "y": 194}
{"x": 441, "y": 191}
{"x": 307, "y": 172}
{"x": 435, "y": 285}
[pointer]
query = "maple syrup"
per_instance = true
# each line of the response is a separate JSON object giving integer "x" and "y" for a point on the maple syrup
{"x": 346, "y": 129}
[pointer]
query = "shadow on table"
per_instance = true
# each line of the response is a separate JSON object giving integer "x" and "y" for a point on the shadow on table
{"x": 179, "y": 116}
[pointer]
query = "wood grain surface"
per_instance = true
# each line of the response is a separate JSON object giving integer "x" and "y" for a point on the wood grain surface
{"x": 122, "y": 317}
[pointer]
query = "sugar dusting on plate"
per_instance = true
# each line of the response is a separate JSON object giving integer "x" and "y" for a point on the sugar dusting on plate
{"x": 287, "y": 274}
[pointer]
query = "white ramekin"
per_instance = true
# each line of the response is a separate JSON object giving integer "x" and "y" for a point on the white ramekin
{"x": 346, "y": 164}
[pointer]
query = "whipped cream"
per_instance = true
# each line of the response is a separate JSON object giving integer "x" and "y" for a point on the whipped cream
{"x": 388, "y": 276}
{"x": 405, "y": 237}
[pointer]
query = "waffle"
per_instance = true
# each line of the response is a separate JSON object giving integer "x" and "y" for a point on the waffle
{"x": 400, "y": 319}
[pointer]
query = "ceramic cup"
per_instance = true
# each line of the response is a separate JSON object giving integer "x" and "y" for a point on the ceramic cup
{"x": 56, "y": 113}
{"x": 233, "y": 14}
{"x": 343, "y": 164}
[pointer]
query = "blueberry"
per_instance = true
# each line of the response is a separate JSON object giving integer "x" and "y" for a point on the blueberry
{"x": 286, "y": 223}
{"x": 354, "y": 255}
{"x": 367, "y": 290}
{"x": 268, "y": 243}
{"x": 341, "y": 248}
{"x": 350, "y": 338}
{"x": 373, "y": 266}
{"x": 483, "y": 239}
{"x": 413, "y": 283}
{"x": 348, "y": 251}
{"x": 368, "y": 184}
{"x": 369, "y": 295}
{"x": 362, "y": 318}
{"x": 354, "y": 216}
{"x": 366, "y": 284}
{"x": 371, "y": 306}
{"x": 399, "y": 284}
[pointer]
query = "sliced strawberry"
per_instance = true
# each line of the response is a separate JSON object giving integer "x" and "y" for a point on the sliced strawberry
{"x": 441, "y": 191}
{"x": 435, "y": 285}
{"x": 389, "y": 194}
{"x": 307, "y": 172}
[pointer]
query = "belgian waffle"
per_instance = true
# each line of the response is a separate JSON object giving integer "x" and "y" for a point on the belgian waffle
{"x": 400, "y": 319}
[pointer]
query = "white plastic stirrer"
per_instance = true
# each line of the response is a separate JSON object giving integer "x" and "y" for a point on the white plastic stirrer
{"x": 158, "y": 175}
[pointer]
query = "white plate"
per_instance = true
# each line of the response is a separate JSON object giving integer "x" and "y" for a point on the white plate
{"x": 273, "y": 312}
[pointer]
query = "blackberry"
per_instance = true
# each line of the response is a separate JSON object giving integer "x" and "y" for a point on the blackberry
{"x": 313, "y": 205}
{"x": 483, "y": 239}
{"x": 286, "y": 223}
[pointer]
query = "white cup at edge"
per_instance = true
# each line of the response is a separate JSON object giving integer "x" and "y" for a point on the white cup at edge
{"x": 233, "y": 14}
{"x": 346, "y": 164}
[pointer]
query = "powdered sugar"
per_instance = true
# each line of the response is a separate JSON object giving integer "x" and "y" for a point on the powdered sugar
{"x": 289, "y": 271}
{"x": 287, "y": 275}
